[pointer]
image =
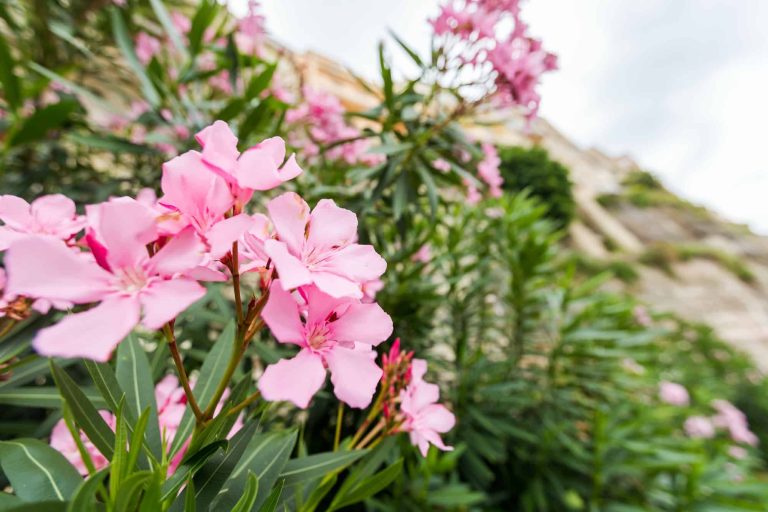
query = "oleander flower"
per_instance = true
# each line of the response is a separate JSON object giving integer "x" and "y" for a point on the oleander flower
{"x": 424, "y": 418}
{"x": 732, "y": 419}
{"x": 146, "y": 47}
{"x": 52, "y": 215}
{"x": 129, "y": 285}
{"x": 673, "y": 393}
{"x": 258, "y": 168}
{"x": 319, "y": 247}
{"x": 699, "y": 427}
{"x": 64, "y": 443}
{"x": 337, "y": 333}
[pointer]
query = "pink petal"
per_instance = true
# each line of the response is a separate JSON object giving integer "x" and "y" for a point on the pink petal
{"x": 366, "y": 323}
{"x": 438, "y": 418}
{"x": 202, "y": 273}
{"x": 281, "y": 314}
{"x": 359, "y": 263}
{"x": 224, "y": 233}
{"x": 321, "y": 304}
{"x": 92, "y": 334}
{"x": 219, "y": 146}
{"x": 47, "y": 268}
{"x": 126, "y": 241}
{"x": 164, "y": 300}
{"x": 190, "y": 187}
{"x": 331, "y": 226}
{"x": 336, "y": 285}
{"x": 14, "y": 211}
{"x": 184, "y": 252}
{"x": 9, "y": 236}
{"x": 290, "y": 214}
{"x": 354, "y": 374}
{"x": 292, "y": 272}
{"x": 423, "y": 395}
{"x": 52, "y": 209}
{"x": 295, "y": 380}
{"x": 275, "y": 148}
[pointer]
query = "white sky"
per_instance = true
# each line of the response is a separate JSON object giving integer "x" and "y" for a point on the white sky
{"x": 681, "y": 85}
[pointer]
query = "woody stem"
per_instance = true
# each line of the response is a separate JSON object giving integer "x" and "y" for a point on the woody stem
{"x": 171, "y": 337}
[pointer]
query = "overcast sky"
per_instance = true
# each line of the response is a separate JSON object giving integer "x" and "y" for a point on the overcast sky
{"x": 680, "y": 85}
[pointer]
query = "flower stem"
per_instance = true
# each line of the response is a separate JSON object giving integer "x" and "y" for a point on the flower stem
{"x": 371, "y": 415}
{"x": 339, "y": 418}
{"x": 236, "y": 285}
{"x": 171, "y": 337}
{"x": 245, "y": 403}
{"x": 367, "y": 439}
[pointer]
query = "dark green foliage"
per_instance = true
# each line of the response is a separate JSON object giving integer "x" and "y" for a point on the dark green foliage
{"x": 544, "y": 178}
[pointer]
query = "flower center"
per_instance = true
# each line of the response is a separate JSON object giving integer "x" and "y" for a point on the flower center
{"x": 131, "y": 280}
{"x": 317, "y": 336}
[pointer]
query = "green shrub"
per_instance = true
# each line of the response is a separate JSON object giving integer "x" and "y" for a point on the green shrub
{"x": 660, "y": 255}
{"x": 620, "y": 269}
{"x": 730, "y": 262}
{"x": 544, "y": 178}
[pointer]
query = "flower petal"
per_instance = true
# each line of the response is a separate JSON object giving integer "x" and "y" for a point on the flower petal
{"x": 282, "y": 316}
{"x": 354, "y": 374}
{"x": 53, "y": 210}
{"x": 290, "y": 214}
{"x": 292, "y": 272}
{"x": 92, "y": 334}
{"x": 336, "y": 285}
{"x": 191, "y": 188}
{"x": 295, "y": 380}
{"x": 224, "y": 233}
{"x": 366, "y": 323}
{"x": 164, "y": 300}
{"x": 331, "y": 226}
{"x": 14, "y": 211}
{"x": 438, "y": 418}
{"x": 219, "y": 146}
{"x": 184, "y": 252}
{"x": 359, "y": 263}
{"x": 47, "y": 268}
{"x": 126, "y": 241}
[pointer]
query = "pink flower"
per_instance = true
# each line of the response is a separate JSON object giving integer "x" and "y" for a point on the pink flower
{"x": 673, "y": 393}
{"x": 121, "y": 277}
{"x": 425, "y": 419}
{"x": 181, "y": 22}
{"x": 423, "y": 255}
{"x": 441, "y": 165}
{"x": 319, "y": 248}
{"x": 737, "y": 452}
{"x": 250, "y": 30}
{"x": 258, "y": 168}
{"x": 221, "y": 82}
{"x": 338, "y": 334}
{"x": 146, "y": 47}
{"x": 473, "y": 196}
{"x": 52, "y": 215}
{"x": 371, "y": 288}
{"x": 731, "y": 418}
{"x": 699, "y": 427}
{"x": 488, "y": 169}
{"x": 64, "y": 443}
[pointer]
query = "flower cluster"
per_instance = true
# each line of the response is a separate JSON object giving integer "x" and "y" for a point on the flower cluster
{"x": 488, "y": 39}
{"x": 488, "y": 170}
{"x": 140, "y": 261}
{"x": 729, "y": 418}
{"x": 171, "y": 404}
{"x": 321, "y": 118}
{"x": 673, "y": 393}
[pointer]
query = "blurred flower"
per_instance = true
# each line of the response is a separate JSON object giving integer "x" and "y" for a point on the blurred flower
{"x": 52, "y": 216}
{"x": 699, "y": 427}
{"x": 731, "y": 418}
{"x": 673, "y": 393}
{"x": 146, "y": 47}
{"x": 441, "y": 165}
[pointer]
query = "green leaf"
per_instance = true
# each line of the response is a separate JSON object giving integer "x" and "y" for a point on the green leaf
{"x": 411, "y": 53}
{"x": 260, "y": 82}
{"x": 111, "y": 143}
{"x": 127, "y": 498}
{"x": 202, "y": 19}
{"x": 27, "y": 370}
{"x": 106, "y": 382}
{"x": 368, "y": 486}
{"x": 36, "y": 471}
{"x": 43, "y": 120}
{"x": 38, "y": 506}
{"x": 429, "y": 183}
{"x": 214, "y": 474}
{"x": 165, "y": 19}
{"x": 265, "y": 456}
{"x": 248, "y": 500}
{"x": 319, "y": 492}
{"x": 84, "y": 497}
{"x": 84, "y": 412}
{"x": 318, "y": 465}
{"x": 189, "y": 466}
{"x": 135, "y": 378}
{"x": 270, "y": 505}
{"x": 211, "y": 372}
{"x": 8, "y": 78}
{"x": 386, "y": 78}
{"x": 74, "y": 87}
{"x": 125, "y": 43}
{"x": 44, "y": 397}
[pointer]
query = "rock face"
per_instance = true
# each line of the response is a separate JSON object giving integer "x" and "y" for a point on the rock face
{"x": 698, "y": 283}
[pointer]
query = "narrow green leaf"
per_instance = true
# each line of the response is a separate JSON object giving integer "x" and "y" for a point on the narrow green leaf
{"x": 165, "y": 19}
{"x": 429, "y": 183}
{"x": 72, "y": 86}
{"x": 127, "y": 497}
{"x": 189, "y": 466}
{"x": 211, "y": 372}
{"x": 36, "y": 471}
{"x": 125, "y": 43}
{"x": 8, "y": 78}
{"x": 42, "y": 121}
{"x": 319, "y": 492}
{"x": 318, "y": 465}
{"x": 411, "y": 53}
{"x": 135, "y": 378}
{"x": 270, "y": 505}
{"x": 84, "y": 412}
{"x": 44, "y": 397}
{"x": 265, "y": 456}
{"x": 28, "y": 370}
{"x": 368, "y": 486}
{"x": 106, "y": 383}
{"x": 260, "y": 82}
{"x": 248, "y": 500}
{"x": 110, "y": 143}
{"x": 202, "y": 19}
{"x": 119, "y": 456}
{"x": 84, "y": 497}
